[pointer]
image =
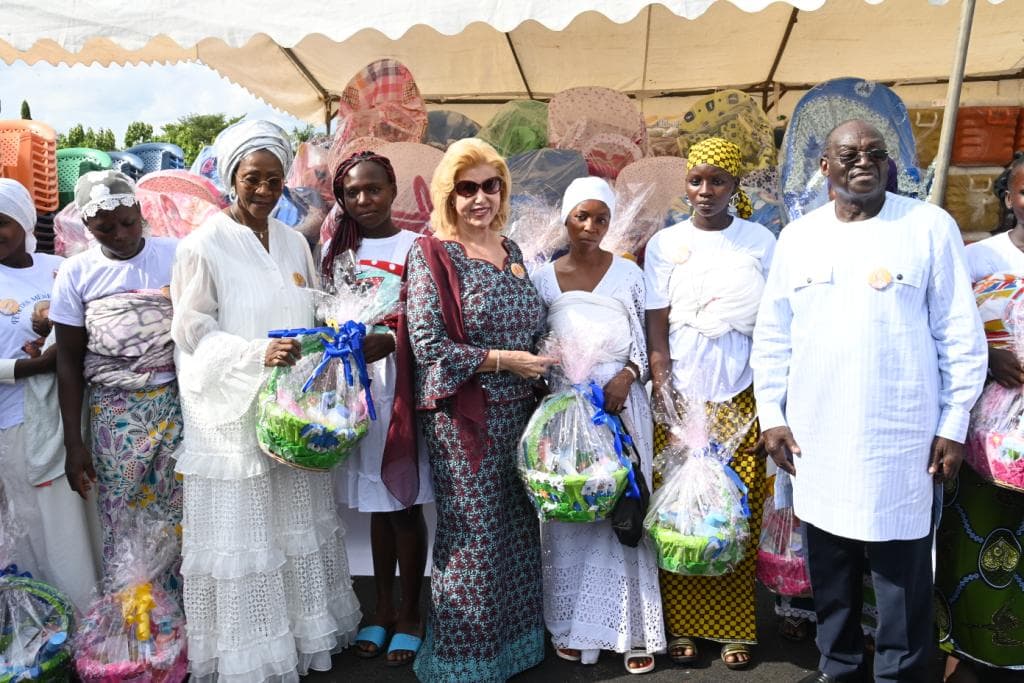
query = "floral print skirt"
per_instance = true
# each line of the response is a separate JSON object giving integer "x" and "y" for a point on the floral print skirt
{"x": 134, "y": 438}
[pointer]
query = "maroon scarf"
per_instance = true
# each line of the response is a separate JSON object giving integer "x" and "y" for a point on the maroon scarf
{"x": 470, "y": 415}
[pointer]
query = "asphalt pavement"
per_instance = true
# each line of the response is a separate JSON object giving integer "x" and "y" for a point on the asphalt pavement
{"x": 775, "y": 660}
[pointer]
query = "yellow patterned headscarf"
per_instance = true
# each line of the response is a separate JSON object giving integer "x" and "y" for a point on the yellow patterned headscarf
{"x": 726, "y": 156}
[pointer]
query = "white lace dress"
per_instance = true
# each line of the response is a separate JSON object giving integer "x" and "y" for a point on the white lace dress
{"x": 267, "y": 592}
{"x": 599, "y": 594}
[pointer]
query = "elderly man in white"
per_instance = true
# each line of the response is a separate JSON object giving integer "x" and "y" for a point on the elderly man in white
{"x": 868, "y": 355}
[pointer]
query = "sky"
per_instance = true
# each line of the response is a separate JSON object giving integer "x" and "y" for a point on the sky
{"x": 114, "y": 96}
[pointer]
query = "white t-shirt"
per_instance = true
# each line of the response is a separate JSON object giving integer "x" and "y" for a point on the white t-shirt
{"x": 90, "y": 275}
{"x": 996, "y": 255}
{"x": 717, "y": 368}
{"x": 386, "y": 253}
{"x": 21, "y": 290}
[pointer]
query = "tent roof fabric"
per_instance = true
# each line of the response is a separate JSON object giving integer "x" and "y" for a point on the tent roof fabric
{"x": 466, "y": 51}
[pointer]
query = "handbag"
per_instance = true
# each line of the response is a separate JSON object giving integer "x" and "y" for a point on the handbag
{"x": 627, "y": 517}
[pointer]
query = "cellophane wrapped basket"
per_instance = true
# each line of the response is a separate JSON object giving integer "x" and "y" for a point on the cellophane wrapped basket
{"x": 313, "y": 414}
{"x": 995, "y": 439}
{"x": 135, "y": 630}
{"x": 698, "y": 518}
{"x": 781, "y": 556}
{"x": 36, "y": 619}
{"x": 569, "y": 457}
{"x": 35, "y": 624}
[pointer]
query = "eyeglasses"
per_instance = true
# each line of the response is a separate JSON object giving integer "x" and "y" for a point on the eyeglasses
{"x": 468, "y": 188}
{"x": 252, "y": 185}
{"x": 849, "y": 157}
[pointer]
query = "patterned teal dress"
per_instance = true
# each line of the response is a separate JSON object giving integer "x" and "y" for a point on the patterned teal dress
{"x": 486, "y": 621}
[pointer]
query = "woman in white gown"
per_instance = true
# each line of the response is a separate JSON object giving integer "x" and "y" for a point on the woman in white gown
{"x": 598, "y": 593}
{"x": 267, "y": 589}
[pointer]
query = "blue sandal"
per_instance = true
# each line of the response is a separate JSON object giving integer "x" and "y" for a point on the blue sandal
{"x": 374, "y": 635}
{"x": 404, "y": 642}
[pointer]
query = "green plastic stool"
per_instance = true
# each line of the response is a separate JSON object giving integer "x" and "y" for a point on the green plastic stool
{"x": 72, "y": 164}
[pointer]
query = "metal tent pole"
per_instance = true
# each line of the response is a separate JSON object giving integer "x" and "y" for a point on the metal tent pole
{"x": 956, "y": 81}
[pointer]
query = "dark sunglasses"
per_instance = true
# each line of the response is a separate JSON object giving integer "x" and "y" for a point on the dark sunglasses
{"x": 850, "y": 156}
{"x": 467, "y": 188}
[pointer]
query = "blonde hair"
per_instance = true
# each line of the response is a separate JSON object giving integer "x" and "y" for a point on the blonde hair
{"x": 464, "y": 154}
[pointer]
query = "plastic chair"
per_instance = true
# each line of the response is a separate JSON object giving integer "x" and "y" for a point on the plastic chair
{"x": 28, "y": 154}
{"x": 44, "y": 233}
{"x": 72, "y": 164}
{"x": 159, "y": 156}
{"x": 183, "y": 182}
{"x": 129, "y": 164}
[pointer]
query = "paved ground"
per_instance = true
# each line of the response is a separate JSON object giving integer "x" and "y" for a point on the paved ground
{"x": 775, "y": 661}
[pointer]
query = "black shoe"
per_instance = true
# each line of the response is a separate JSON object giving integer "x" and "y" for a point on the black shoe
{"x": 818, "y": 677}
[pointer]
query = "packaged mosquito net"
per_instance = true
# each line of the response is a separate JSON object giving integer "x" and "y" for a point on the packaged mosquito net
{"x": 781, "y": 555}
{"x": 311, "y": 415}
{"x": 698, "y": 519}
{"x": 571, "y": 453}
{"x": 135, "y": 631}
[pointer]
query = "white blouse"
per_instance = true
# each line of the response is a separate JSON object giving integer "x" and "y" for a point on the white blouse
{"x": 715, "y": 367}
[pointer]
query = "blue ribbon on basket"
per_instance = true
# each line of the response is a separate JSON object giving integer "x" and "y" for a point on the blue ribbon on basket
{"x": 744, "y": 502}
{"x": 12, "y": 570}
{"x": 596, "y": 396}
{"x": 345, "y": 344}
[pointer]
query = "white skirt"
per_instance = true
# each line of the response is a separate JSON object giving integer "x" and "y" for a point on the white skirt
{"x": 268, "y": 595}
{"x": 59, "y": 540}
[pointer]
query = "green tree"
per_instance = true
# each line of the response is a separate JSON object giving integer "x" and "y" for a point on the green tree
{"x": 303, "y": 134}
{"x": 136, "y": 133}
{"x": 75, "y": 137}
{"x": 26, "y": 113}
{"x": 195, "y": 131}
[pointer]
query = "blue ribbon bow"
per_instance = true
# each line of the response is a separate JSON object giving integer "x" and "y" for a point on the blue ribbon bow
{"x": 596, "y": 396}
{"x": 345, "y": 344}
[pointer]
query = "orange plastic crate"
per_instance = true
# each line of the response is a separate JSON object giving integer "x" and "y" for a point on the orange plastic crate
{"x": 985, "y": 136}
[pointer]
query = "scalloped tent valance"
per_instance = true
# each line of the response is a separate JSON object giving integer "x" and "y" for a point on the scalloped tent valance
{"x": 473, "y": 51}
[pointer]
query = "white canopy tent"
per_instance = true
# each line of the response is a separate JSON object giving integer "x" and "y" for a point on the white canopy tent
{"x": 471, "y": 55}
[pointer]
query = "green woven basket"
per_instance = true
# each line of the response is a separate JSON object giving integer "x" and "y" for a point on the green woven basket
{"x": 695, "y": 555}
{"x": 571, "y": 497}
{"x": 294, "y": 441}
{"x": 57, "y": 668}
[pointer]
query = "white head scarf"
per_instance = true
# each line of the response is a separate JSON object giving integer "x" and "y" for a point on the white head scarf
{"x": 16, "y": 202}
{"x": 582, "y": 189}
{"x": 245, "y": 137}
{"x": 103, "y": 191}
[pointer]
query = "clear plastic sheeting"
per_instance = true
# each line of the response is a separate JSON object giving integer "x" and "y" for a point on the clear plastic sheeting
{"x": 698, "y": 518}
{"x": 518, "y": 126}
{"x": 781, "y": 551}
{"x": 570, "y": 457}
{"x": 445, "y": 127}
{"x": 135, "y": 630}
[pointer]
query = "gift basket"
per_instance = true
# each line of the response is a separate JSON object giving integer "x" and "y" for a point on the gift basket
{"x": 536, "y": 227}
{"x": 571, "y": 452}
{"x": 135, "y": 631}
{"x": 995, "y": 439}
{"x": 313, "y": 414}
{"x": 781, "y": 556}
{"x": 698, "y": 519}
{"x": 35, "y": 619}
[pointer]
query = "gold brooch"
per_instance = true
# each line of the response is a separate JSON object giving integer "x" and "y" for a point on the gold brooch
{"x": 518, "y": 270}
{"x": 880, "y": 278}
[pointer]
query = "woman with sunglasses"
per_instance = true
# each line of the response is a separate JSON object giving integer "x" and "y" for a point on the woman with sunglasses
{"x": 704, "y": 282}
{"x": 473, "y": 321}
